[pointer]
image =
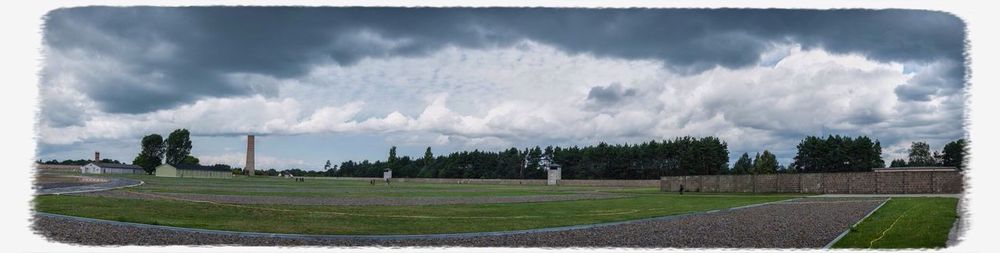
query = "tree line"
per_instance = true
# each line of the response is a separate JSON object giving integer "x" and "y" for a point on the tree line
{"x": 952, "y": 155}
{"x": 76, "y": 162}
{"x": 837, "y": 153}
{"x": 649, "y": 160}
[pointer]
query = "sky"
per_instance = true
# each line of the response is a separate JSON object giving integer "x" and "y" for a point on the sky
{"x": 318, "y": 84}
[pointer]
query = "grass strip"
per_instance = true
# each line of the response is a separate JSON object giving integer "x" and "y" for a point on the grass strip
{"x": 914, "y": 222}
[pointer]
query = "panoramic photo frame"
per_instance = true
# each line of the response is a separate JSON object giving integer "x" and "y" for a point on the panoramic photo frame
{"x": 502, "y": 127}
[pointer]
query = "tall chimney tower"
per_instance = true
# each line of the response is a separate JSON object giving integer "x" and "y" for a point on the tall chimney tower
{"x": 97, "y": 157}
{"x": 249, "y": 166}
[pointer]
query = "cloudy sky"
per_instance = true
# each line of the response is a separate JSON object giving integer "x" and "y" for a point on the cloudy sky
{"x": 319, "y": 84}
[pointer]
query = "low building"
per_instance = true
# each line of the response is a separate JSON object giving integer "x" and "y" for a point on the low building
{"x": 111, "y": 168}
{"x": 193, "y": 171}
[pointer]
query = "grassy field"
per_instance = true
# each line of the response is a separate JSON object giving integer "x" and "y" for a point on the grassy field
{"x": 426, "y": 219}
{"x": 905, "y": 223}
{"x": 314, "y": 187}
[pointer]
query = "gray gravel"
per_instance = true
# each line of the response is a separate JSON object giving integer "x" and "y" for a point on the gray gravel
{"x": 807, "y": 223}
{"x": 109, "y": 183}
{"x": 63, "y": 185}
{"x": 342, "y": 201}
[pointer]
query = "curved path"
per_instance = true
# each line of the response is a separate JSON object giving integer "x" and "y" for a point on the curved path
{"x": 797, "y": 223}
{"x": 111, "y": 184}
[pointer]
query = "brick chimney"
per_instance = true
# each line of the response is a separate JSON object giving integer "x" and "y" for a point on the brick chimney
{"x": 249, "y": 166}
{"x": 97, "y": 157}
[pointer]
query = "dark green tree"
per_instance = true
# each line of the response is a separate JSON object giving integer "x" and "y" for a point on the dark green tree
{"x": 898, "y": 163}
{"x": 178, "y": 146}
{"x": 920, "y": 155}
{"x": 954, "y": 153}
{"x": 765, "y": 163}
{"x": 392, "y": 158}
{"x": 837, "y": 154}
{"x": 427, "y": 168}
{"x": 428, "y": 156}
{"x": 190, "y": 160}
{"x": 744, "y": 165}
{"x": 151, "y": 154}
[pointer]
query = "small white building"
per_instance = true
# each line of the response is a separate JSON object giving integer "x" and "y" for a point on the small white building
{"x": 552, "y": 169}
{"x": 386, "y": 174}
{"x": 111, "y": 168}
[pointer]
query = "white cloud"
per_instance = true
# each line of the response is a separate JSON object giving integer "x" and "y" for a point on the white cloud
{"x": 534, "y": 94}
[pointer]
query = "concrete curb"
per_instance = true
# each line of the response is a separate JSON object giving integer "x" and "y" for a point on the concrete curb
{"x": 112, "y": 184}
{"x": 841, "y": 236}
{"x": 400, "y": 237}
{"x": 956, "y": 228}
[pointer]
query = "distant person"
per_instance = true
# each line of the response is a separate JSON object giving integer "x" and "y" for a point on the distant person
{"x": 681, "y": 190}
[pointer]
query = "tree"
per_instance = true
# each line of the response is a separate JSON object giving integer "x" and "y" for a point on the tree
{"x": 837, "y": 154}
{"x": 428, "y": 155}
{"x": 954, "y": 153}
{"x": 898, "y": 163}
{"x": 744, "y": 165}
{"x": 151, "y": 154}
{"x": 191, "y": 160}
{"x": 391, "y": 162}
{"x": 178, "y": 146}
{"x": 765, "y": 163}
{"x": 327, "y": 166}
{"x": 920, "y": 155}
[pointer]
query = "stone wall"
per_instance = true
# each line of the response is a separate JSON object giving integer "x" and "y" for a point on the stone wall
{"x": 472, "y": 181}
{"x": 833, "y": 183}
{"x": 610, "y": 183}
{"x": 564, "y": 182}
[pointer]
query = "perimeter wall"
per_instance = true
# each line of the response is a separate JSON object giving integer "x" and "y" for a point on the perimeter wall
{"x": 848, "y": 182}
{"x": 563, "y": 182}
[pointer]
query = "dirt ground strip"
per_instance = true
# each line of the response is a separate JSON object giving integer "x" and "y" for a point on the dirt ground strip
{"x": 88, "y": 184}
{"x": 57, "y": 180}
{"x": 806, "y": 223}
{"x": 387, "y": 201}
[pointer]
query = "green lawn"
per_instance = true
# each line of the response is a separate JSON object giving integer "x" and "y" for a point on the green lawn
{"x": 905, "y": 223}
{"x": 389, "y": 219}
{"x": 313, "y": 187}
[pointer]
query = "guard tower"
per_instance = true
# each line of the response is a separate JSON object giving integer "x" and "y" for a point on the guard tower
{"x": 553, "y": 169}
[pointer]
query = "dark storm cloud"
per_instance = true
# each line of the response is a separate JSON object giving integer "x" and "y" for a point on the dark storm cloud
{"x": 608, "y": 95}
{"x": 61, "y": 114}
{"x": 207, "y": 43}
{"x": 942, "y": 78}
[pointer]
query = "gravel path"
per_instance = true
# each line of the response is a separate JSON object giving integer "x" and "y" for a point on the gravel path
{"x": 62, "y": 185}
{"x": 386, "y": 201}
{"x": 102, "y": 185}
{"x": 807, "y": 223}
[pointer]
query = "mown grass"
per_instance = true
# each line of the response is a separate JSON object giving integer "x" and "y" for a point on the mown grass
{"x": 266, "y": 186}
{"x": 917, "y": 222}
{"x": 388, "y": 219}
